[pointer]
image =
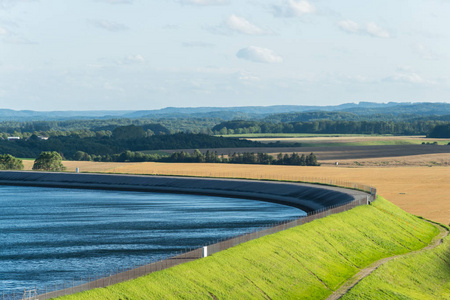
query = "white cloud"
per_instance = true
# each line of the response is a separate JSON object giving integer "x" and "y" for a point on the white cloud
{"x": 371, "y": 29}
{"x": 247, "y": 76}
{"x": 407, "y": 75}
{"x": 242, "y": 25}
{"x": 257, "y": 54}
{"x": 293, "y": 8}
{"x": 376, "y": 31}
{"x": 349, "y": 26}
{"x": 108, "y": 25}
{"x": 204, "y": 2}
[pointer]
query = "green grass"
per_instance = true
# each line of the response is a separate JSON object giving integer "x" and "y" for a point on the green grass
{"x": 370, "y": 143}
{"x": 424, "y": 275}
{"x": 294, "y": 135}
{"x": 308, "y": 261}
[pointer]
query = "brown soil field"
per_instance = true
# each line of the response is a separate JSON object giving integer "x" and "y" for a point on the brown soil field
{"x": 420, "y": 190}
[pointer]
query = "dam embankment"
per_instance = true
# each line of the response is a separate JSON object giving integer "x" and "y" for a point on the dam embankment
{"x": 307, "y": 197}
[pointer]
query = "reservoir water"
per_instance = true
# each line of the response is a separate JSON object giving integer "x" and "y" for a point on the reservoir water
{"x": 51, "y": 235}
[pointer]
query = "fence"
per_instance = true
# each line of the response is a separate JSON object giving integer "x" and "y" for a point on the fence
{"x": 135, "y": 271}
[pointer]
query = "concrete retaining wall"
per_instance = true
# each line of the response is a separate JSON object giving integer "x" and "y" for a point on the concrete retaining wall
{"x": 307, "y": 197}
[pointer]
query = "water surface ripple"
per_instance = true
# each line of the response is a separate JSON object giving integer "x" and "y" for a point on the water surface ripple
{"x": 51, "y": 235}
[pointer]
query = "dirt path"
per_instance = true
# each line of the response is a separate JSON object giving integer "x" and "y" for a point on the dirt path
{"x": 347, "y": 286}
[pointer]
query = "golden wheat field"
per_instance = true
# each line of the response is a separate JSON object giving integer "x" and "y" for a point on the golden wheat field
{"x": 420, "y": 190}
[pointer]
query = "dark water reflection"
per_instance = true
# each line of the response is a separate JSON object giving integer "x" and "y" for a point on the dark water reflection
{"x": 49, "y": 235}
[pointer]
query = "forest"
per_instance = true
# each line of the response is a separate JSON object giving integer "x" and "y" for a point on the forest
{"x": 129, "y": 138}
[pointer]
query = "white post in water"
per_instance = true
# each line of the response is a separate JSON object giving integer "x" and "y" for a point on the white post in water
{"x": 205, "y": 251}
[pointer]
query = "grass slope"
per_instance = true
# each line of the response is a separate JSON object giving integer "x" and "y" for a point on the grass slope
{"x": 307, "y": 262}
{"x": 424, "y": 275}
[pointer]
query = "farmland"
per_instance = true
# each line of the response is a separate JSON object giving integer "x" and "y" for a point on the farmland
{"x": 314, "y": 260}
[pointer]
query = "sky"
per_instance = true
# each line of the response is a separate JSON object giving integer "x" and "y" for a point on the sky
{"x": 150, "y": 54}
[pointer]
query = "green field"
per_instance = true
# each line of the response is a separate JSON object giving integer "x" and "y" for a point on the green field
{"x": 308, "y": 261}
{"x": 293, "y": 135}
{"x": 424, "y": 275}
{"x": 369, "y": 143}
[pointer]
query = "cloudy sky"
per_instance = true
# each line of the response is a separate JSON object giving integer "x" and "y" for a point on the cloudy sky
{"x": 148, "y": 54}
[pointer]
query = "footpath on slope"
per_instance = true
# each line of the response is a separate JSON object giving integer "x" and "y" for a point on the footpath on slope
{"x": 352, "y": 282}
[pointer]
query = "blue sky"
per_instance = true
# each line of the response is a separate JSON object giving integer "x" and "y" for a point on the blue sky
{"x": 148, "y": 54}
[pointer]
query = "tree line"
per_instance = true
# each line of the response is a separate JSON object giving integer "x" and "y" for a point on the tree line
{"x": 328, "y": 127}
{"x": 245, "y": 158}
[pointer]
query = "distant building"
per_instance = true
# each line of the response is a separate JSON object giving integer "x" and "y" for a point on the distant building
{"x": 44, "y": 138}
{"x": 13, "y": 138}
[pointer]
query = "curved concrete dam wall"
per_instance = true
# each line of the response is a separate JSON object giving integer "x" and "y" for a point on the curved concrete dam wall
{"x": 307, "y": 197}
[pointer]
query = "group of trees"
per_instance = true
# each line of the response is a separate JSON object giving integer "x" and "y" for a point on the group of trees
{"x": 125, "y": 156}
{"x": 9, "y": 162}
{"x": 440, "y": 131}
{"x": 47, "y": 161}
{"x": 244, "y": 158}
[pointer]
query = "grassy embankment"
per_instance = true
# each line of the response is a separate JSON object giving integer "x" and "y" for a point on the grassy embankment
{"x": 308, "y": 261}
{"x": 419, "y": 276}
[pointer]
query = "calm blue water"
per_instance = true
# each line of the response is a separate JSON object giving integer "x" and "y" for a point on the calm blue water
{"x": 49, "y": 235}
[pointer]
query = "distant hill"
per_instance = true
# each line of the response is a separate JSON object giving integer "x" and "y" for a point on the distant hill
{"x": 241, "y": 112}
{"x": 422, "y": 109}
{"x": 30, "y": 115}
